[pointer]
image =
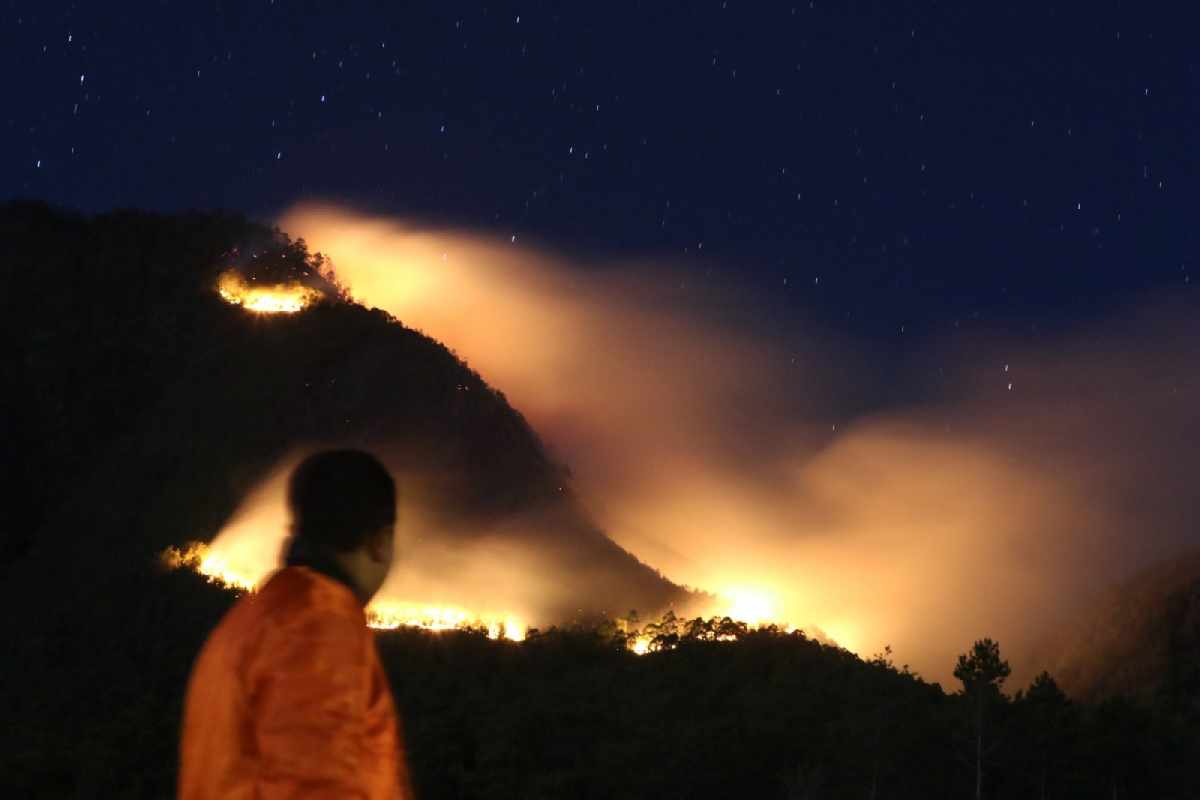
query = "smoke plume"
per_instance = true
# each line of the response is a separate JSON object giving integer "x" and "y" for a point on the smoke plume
{"x": 773, "y": 465}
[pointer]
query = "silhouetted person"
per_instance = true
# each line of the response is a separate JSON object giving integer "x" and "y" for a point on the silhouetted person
{"x": 288, "y": 698}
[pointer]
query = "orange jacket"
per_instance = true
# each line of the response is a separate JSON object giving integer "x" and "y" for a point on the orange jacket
{"x": 288, "y": 700}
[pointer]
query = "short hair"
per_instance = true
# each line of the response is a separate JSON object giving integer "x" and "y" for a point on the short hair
{"x": 338, "y": 498}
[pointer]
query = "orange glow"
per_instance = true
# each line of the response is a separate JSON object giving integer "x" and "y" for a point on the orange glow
{"x": 752, "y": 606}
{"x": 844, "y": 634}
{"x": 279, "y": 298}
{"x": 769, "y": 466}
{"x": 748, "y": 606}
{"x": 631, "y": 393}
{"x": 391, "y": 614}
{"x": 247, "y": 551}
{"x": 383, "y": 615}
{"x": 200, "y": 558}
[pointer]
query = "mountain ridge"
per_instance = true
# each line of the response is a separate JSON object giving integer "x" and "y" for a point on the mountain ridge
{"x": 186, "y": 401}
{"x": 1141, "y": 639}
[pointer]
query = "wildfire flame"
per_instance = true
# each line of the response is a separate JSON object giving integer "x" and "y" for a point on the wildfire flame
{"x": 749, "y": 606}
{"x": 385, "y": 615}
{"x": 278, "y": 298}
{"x": 199, "y": 558}
{"x": 389, "y": 615}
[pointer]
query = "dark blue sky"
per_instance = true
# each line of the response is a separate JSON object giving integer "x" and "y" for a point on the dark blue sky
{"x": 878, "y": 165}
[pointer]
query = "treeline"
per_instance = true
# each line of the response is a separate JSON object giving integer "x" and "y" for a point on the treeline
{"x": 717, "y": 709}
{"x": 572, "y": 712}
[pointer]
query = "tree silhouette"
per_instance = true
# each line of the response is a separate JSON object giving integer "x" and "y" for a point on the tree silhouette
{"x": 1048, "y": 717}
{"x": 982, "y": 673}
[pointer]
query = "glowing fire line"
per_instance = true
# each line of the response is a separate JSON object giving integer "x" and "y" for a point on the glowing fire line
{"x": 750, "y": 607}
{"x": 279, "y": 298}
{"x": 385, "y": 615}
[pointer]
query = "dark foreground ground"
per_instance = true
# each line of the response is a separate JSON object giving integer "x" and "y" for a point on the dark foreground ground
{"x": 92, "y": 709}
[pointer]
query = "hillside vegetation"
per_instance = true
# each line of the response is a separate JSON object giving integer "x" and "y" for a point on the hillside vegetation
{"x": 143, "y": 408}
{"x": 1142, "y": 641}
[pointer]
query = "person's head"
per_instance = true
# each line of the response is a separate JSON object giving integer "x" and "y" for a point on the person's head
{"x": 343, "y": 504}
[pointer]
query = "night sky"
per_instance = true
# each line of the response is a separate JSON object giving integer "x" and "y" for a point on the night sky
{"x": 890, "y": 169}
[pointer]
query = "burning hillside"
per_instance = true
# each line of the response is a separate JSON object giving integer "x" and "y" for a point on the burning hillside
{"x": 533, "y": 567}
{"x": 919, "y": 529}
{"x": 742, "y": 457}
{"x": 175, "y": 410}
{"x": 383, "y": 615}
{"x": 744, "y": 612}
{"x": 502, "y": 578}
{"x": 267, "y": 298}
{"x": 213, "y": 399}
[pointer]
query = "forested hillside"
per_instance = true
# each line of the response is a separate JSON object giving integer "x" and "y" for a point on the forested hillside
{"x": 1143, "y": 640}
{"x": 142, "y": 408}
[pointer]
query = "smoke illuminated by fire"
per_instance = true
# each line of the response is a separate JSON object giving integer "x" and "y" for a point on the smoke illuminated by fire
{"x": 279, "y": 298}
{"x": 390, "y": 614}
{"x": 383, "y": 615}
{"x": 247, "y": 551}
{"x": 725, "y": 456}
{"x": 751, "y": 606}
{"x": 464, "y": 583}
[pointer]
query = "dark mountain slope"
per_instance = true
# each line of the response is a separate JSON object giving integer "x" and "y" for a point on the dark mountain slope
{"x": 144, "y": 407}
{"x": 1141, "y": 640}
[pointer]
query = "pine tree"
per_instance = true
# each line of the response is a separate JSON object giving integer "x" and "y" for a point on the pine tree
{"x": 982, "y": 673}
{"x": 1049, "y": 715}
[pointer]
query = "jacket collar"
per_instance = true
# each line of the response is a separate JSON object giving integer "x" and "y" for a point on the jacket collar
{"x": 301, "y": 553}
